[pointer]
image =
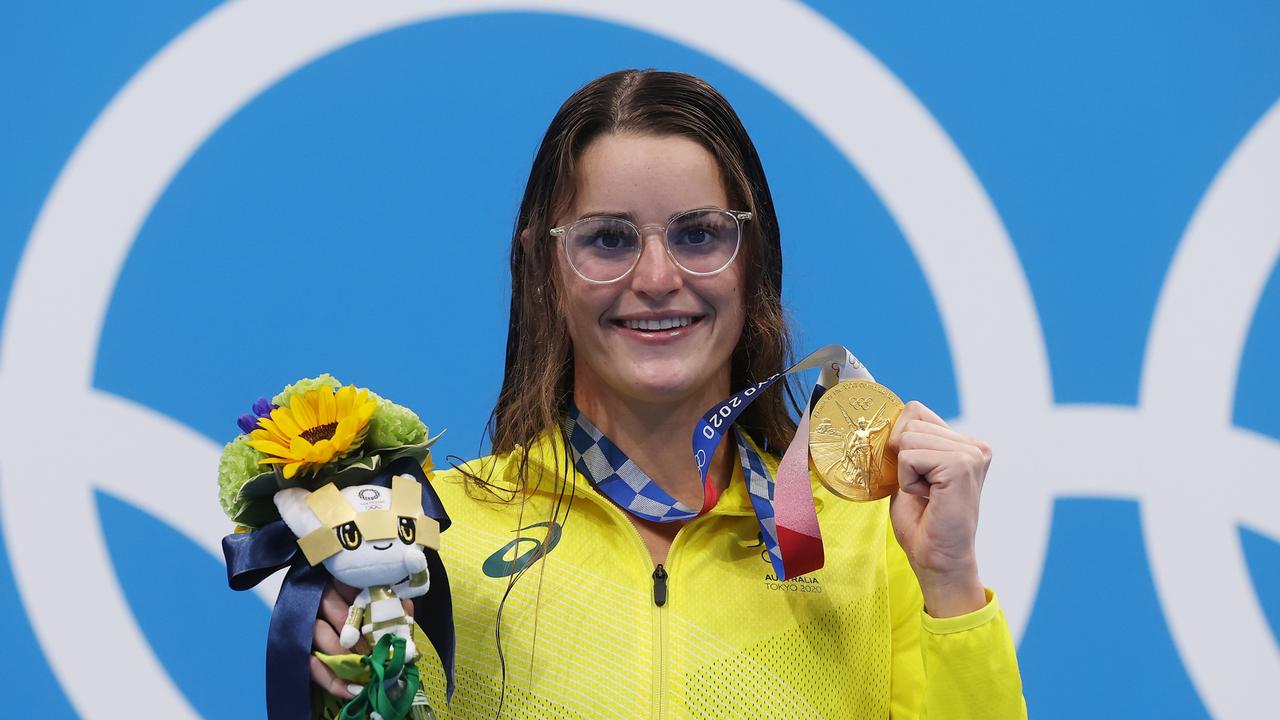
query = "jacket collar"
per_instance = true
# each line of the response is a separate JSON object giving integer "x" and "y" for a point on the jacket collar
{"x": 549, "y": 461}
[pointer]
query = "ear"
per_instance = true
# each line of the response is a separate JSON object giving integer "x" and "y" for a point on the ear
{"x": 292, "y": 504}
{"x": 524, "y": 240}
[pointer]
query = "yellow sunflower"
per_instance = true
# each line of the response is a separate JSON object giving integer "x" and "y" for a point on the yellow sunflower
{"x": 428, "y": 467}
{"x": 314, "y": 428}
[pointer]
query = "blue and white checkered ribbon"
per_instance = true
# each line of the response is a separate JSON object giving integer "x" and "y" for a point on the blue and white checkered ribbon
{"x": 615, "y": 475}
{"x": 622, "y": 481}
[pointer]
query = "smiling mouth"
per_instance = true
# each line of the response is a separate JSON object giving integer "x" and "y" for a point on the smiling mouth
{"x": 657, "y": 326}
{"x": 376, "y": 546}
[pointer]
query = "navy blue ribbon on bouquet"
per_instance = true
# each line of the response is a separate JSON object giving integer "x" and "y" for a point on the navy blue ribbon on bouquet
{"x": 254, "y": 556}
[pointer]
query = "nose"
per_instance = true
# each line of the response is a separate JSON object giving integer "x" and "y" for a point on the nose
{"x": 655, "y": 273}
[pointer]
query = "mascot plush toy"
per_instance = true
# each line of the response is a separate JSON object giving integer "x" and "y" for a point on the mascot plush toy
{"x": 333, "y": 482}
{"x": 367, "y": 537}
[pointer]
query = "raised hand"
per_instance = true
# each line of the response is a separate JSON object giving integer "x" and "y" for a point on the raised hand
{"x": 935, "y": 512}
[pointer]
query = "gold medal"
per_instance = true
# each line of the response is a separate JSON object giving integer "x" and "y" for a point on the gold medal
{"x": 847, "y": 436}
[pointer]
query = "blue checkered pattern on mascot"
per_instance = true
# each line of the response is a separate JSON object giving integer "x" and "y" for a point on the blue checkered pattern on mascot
{"x": 333, "y": 482}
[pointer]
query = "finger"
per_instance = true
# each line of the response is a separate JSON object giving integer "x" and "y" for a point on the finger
{"x": 361, "y": 646}
{"x": 324, "y": 639}
{"x": 903, "y": 509}
{"x": 347, "y": 592}
{"x": 921, "y": 425}
{"x": 914, "y": 412}
{"x": 970, "y": 453}
{"x": 899, "y": 426}
{"x": 922, "y": 411}
{"x": 322, "y": 676}
{"x": 915, "y": 464}
{"x": 913, "y": 440}
{"x": 334, "y": 608}
{"x": 962, "y": 468}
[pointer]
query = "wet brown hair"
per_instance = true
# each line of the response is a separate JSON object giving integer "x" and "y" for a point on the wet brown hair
{"x": 537, "y": 383}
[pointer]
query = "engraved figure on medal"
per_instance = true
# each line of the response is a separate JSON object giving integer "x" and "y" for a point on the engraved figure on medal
{"x": 860, "y": 456}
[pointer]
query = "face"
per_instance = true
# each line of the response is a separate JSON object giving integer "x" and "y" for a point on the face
{"x": 618, "y": 349}
{"x": 363, "y": 561}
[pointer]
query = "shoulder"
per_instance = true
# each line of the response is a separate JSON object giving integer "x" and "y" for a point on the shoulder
{"x": 466, "y": 490}
{"x": 502, "y": 482}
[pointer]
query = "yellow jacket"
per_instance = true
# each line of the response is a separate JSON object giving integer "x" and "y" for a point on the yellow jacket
{"x": 586, "y": 631}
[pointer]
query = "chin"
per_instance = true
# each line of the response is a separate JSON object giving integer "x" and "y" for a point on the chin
{"x": 671, "y": 384}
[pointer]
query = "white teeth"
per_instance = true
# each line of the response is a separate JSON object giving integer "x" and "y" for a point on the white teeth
{"x": 663, "y": 324}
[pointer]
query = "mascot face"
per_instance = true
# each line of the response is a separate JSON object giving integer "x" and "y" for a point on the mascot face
{"x": 364, "y": 534}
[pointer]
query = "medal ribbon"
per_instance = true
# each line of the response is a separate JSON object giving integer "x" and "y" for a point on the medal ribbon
{"x": 784, "y": 509}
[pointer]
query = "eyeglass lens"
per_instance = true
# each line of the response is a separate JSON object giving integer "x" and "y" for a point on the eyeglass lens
{"x": 605, "y": 249}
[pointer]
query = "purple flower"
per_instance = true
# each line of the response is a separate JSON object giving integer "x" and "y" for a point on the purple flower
{"x": 262, "y": 408}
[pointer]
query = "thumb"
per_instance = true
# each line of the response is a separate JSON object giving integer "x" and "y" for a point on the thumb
{"x": 905, "y": 511}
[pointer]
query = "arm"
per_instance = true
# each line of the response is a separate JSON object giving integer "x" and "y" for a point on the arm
{"x": 967, "y": 665}
{"x": 962, "y": 667}
{"x": 355, "y": 618}
{"x": 419, "y": 582}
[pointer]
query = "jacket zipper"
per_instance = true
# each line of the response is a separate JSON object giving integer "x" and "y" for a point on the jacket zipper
{"x": 659, "y": 585}
{"x": 659, "y": 705}
{"x": 661, "y": 596}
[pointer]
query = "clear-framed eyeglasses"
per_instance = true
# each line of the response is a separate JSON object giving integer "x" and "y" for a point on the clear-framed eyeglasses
{"x": 604, "y": 249}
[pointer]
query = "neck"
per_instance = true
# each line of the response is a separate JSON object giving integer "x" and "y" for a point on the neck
{"x": 656, "y": 435}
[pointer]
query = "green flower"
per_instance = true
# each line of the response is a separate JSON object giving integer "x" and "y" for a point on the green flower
{"x": 393, "y": 426}
{"x": 238, "y": 464}
{"x": 302, "y": 386}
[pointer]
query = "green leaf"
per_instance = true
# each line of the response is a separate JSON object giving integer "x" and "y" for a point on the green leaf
{"x": 256, "y": 514}
{"x": 260, "y": 486}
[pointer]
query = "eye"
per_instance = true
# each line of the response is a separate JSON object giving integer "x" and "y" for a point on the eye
{"x": 408, "y": 530}
{"x": 695, "y": 236}
{"x": 611, "y": 239}
{"x": 349, "y": 535}
{"x": 603, "y": 235}
{"x": 700, "y": 231}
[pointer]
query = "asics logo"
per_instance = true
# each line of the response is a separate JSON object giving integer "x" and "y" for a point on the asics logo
{"x": 500, "y": 565}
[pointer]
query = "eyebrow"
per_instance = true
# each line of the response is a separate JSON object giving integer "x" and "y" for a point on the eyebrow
{"x": 632, "y": 218}
{"x": 606, "y": 213}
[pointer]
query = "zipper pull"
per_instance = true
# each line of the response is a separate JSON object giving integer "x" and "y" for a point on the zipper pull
{"x": 659, "y": 585}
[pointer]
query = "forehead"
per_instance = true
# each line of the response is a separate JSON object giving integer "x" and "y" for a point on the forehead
{"x": 647, "y": 176}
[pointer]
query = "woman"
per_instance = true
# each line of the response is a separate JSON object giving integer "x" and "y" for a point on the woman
{"x": 646, "y": 287}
